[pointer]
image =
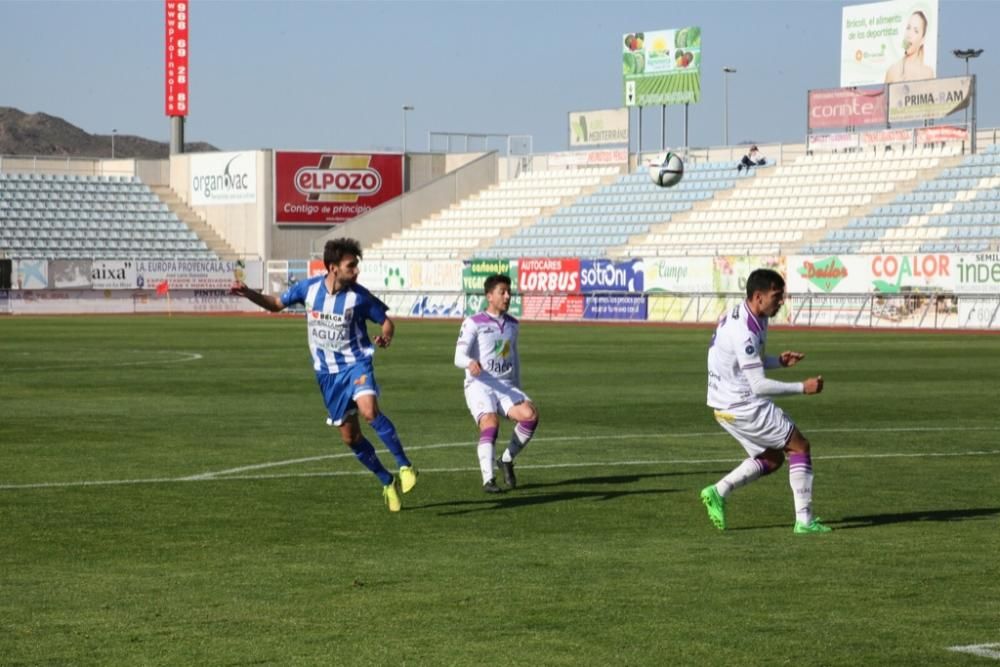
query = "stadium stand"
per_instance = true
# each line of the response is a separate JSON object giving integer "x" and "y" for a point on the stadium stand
{"x": 779, "y": 210}
{"x": 478, "y": 221}
{"x": 57, "y": 216}
{"x": 614, "y": 214}
{"x": 957, "y": 211}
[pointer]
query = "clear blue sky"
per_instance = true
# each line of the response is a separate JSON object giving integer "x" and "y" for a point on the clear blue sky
{"x": 333, "y": 75}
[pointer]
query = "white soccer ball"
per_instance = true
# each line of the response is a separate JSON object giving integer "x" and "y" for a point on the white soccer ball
{"x": 666, "y": 169}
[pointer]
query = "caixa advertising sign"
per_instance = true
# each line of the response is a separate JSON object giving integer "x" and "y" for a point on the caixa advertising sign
{"x": 329, "y": 188}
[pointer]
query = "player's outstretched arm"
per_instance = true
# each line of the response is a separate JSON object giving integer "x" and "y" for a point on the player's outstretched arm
{"x": 813, "y": 385}
{"x": 265, "y": 301}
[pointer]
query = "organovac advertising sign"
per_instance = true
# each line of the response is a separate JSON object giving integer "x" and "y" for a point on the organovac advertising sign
{"x": 223, "y": 178}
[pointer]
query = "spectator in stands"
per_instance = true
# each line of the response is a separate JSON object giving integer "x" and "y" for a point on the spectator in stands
{"x": 911, "y": 66}
{"x": 754, "y": 158}
{"x": 337, "y": 311}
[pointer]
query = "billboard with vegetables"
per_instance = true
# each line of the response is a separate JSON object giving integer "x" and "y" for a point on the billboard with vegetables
{"x": 661, "y": 67}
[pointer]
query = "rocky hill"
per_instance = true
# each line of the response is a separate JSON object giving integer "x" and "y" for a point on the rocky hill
{"x": 42, "y": 134}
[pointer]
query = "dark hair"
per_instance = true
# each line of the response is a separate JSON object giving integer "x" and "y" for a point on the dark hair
{"x": 335, "y": 249}
{"x": 494, "y": 280}
{"x": 763, "y": 280}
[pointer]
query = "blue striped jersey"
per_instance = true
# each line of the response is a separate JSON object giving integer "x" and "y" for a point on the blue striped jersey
{"x": 335, "y": 323}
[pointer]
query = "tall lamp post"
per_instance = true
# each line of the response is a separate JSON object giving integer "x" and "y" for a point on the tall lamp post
{"x": 726, "y": 71}
{"x": 967, "y": 55}
{"x": 406, "y": 107}
{"x": 113, "y": 133}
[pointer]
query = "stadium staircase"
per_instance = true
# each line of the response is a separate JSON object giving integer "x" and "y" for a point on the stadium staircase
{"x": 212, "y": 240}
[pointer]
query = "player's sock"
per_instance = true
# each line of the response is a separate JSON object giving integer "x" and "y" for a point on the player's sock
{"x": 800, "y": 476}
{"x": 519, "y": 439}
{"x": 487, "y": 439}
{"x": 387, "y": 433}
{"x": 743, "y": 474}
{"x": 365, "y": 453}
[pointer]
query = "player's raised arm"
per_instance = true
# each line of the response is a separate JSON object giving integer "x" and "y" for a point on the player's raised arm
{"x": 265, "y": 301}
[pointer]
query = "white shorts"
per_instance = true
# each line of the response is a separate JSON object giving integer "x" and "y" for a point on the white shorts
{"x": 757, "y": 427}
{"x": 495, "y": 397}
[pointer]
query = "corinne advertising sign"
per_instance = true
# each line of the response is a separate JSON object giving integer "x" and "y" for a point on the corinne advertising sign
{"x": 887, "y": 42}
{"x": 846, "y": 107}
{"x": 326, "y": 188}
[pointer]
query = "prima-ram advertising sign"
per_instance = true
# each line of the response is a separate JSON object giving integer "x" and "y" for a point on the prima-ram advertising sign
{"x": 888, "y": 42}
{"x": 223, "y": 178}
{"x": 927, "y": 100}
{"x": 326, "y": 188}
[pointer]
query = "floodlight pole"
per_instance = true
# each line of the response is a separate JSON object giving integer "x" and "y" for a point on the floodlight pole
{"x": 726, "y": 71}
{"x": 406, "y": 107}
{"x": 113, "y": 133}
{"x": 967, "y": 55}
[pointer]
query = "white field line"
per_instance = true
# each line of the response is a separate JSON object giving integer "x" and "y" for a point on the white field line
{"x": 182, "y": 358}
{"x": 583, "y": 438}
{"x": 982, "y": 650}
{"x": 232, "y": 473}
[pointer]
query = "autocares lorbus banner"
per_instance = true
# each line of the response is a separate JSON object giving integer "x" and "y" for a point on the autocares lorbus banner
{"x": 550, "y": 288}
{"x": 661, "y": 67}
{"x": 326, "y": 187}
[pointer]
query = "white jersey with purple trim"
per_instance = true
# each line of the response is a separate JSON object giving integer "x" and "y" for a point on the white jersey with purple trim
{"x": 738, "y": 344}
{"x": 492, "y": 341}
{"x": 336, "y": 323}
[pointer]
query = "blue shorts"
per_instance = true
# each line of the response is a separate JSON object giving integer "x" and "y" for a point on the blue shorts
{"x": 340, "y": 389}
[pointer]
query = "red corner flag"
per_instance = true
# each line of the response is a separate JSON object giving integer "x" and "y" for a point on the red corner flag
{"x": 163, "y": 288}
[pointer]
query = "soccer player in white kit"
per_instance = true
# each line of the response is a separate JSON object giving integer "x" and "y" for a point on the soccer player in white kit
{"x": 487, "y": 350}
{"x": 740, "y": 394}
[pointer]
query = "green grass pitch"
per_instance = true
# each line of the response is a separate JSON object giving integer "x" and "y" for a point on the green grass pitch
{"x": 171, "y": 496}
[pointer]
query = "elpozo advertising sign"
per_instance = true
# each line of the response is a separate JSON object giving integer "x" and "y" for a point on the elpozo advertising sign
{"x": 926, "y": 100}
{"x": 888, "y": 42}
{"x": 330, "y": 187}
{"x": 661, "y": 67}
{"x": 223, "y": 178}
{"x": 595, "y": 128}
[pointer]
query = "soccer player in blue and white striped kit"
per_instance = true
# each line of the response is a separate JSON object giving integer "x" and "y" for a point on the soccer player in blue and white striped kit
{"x": 337, "y": 309}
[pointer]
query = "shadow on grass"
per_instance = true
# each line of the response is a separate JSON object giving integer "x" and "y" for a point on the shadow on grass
{"x": 515, "y": 499}
{"x": 616, "y": 479}
{"x": 873, "y": 520}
